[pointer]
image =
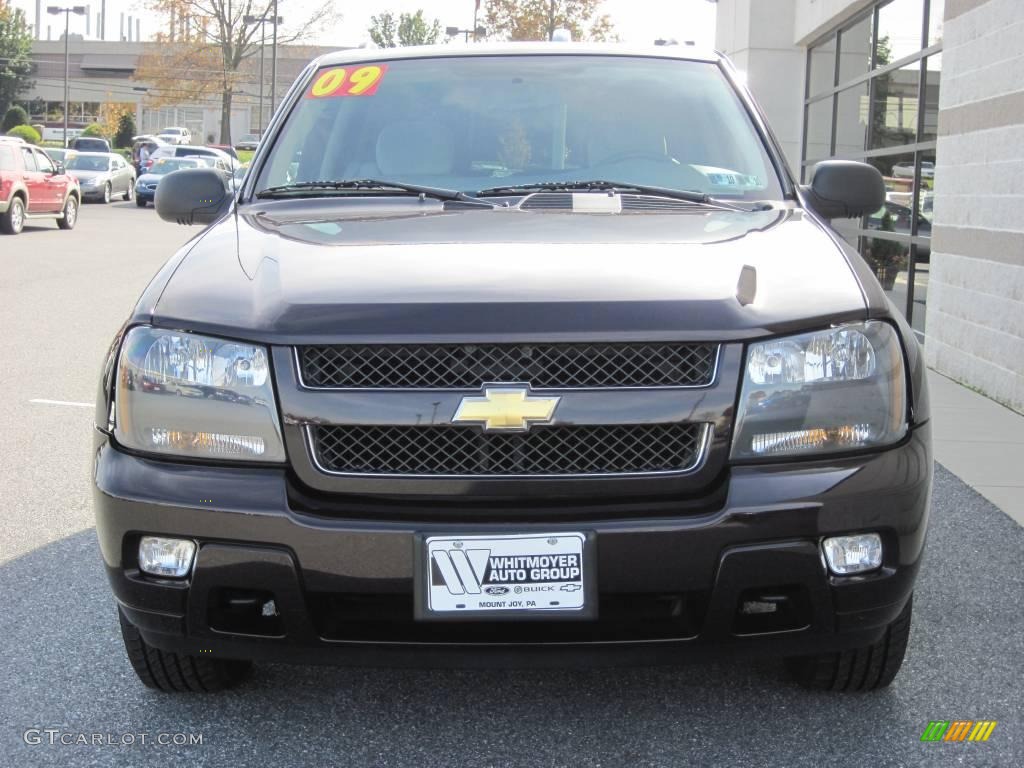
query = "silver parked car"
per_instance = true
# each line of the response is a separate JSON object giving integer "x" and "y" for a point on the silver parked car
{"x": 102, "y": 175}
{"x": 195, "y": 151}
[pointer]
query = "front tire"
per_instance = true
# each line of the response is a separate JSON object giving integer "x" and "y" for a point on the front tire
{"x": 861, "y": 669}
{"x": 70, "y": 213}
{"x": 140, "y": 201}
{"x": 130, "y": 192}
{"x": 12, "y": 222}
{"x": 176, "y": 673}
{"x": 106, "y": 194}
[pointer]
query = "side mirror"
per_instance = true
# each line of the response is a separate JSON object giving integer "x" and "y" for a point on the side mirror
{"x": 845, "y": 189}
{"x": 193, "y": 196}
{"x": 59, "y": 169}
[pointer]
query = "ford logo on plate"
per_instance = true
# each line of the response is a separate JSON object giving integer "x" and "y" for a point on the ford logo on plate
{"x": 496, "y": 590}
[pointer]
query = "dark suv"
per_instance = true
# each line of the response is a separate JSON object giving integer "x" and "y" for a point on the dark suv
{"x": 529, "y": 353}
{"x": 90, "y": 144}
{"x": 33, "y": 187}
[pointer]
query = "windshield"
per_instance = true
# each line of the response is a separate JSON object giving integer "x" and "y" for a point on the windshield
{"x": 469, "y": 123}
{"x": 86, "y": 163}
{"x": 167, "y": 165}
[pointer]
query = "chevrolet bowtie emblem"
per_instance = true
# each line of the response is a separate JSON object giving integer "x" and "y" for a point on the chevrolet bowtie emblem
{"x": 506, "y": 408}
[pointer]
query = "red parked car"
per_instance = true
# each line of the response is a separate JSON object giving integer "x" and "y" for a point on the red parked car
{"x": 33, "y": 187}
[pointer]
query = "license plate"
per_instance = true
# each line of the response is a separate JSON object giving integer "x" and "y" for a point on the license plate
{"x": 513, "y": 575}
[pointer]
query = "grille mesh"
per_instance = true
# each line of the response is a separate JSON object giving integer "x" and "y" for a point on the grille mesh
{"x": 557, "y": 450}
{"x": 453, "y": 366}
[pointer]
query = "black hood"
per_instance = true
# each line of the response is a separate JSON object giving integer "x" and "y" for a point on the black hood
{"x": 365, "y": 269}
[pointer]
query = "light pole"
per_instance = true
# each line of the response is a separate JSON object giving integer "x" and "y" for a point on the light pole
{"x": 78, "y": 10}
{"x": 273, "y": 64}
{"x": 262, "y": 21}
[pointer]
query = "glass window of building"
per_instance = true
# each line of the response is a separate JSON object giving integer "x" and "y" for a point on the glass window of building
{"x": 873, "y": 95}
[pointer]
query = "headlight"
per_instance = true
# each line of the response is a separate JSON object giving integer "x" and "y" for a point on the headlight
{"x": 835, "y": 390}
{"x": 189, "y": 395}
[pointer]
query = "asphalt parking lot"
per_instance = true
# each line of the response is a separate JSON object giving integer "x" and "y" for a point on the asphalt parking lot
{"x": 63, "y": 295}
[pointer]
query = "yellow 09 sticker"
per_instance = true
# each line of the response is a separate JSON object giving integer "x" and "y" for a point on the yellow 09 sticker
{"x": 347, "y": 81}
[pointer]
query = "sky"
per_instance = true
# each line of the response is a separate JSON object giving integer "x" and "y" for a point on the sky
{"x": 636, "y": 21}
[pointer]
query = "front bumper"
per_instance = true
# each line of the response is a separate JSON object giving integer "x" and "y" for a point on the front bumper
{"x": 670, "y": 585}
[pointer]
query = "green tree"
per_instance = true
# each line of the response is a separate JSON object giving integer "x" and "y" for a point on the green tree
{"x": 538, "y": 19}
{"x": 12, "y": 117}
{"x": 125, "y": 131}
{"x": 94, "y": 129}
{"x": 408, "y": 29}
{"x": 15, "y": 49}
{"x": 207, "y": 44}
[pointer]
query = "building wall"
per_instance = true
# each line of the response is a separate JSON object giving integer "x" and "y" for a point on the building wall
{"x": 976, "y": 298}
{"x": 758, "y": 36}
{"x": 816, "y": 17}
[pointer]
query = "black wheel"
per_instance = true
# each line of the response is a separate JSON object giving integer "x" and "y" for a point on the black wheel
{"x": 70, "y": 217}
{"x": 12, "y": 222}
{"x": 130, "y": 192}
{"x": 140, "y": 202}
{"x": 106, "y": 194}
{"x": 176, "y": 673}
{"x": 862, "y": 669}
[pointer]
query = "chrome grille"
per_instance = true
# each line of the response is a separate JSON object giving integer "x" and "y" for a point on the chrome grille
{"x": 469, "y": 451}
{"x": 457, "y": 366}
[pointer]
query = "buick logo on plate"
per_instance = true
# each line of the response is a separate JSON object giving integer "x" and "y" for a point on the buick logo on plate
{"x": 496, "y": 590}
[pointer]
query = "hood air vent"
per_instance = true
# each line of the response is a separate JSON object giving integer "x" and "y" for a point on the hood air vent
{"x": 599, "y": 202}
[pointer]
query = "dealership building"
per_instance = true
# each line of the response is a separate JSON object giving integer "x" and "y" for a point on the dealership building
{"x": 103, "y": 72}
{"x": 930, "y": 92}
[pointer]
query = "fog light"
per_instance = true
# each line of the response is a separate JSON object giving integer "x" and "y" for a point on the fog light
{"x": 166, "y": 557}
{"x": 853, "y": 554}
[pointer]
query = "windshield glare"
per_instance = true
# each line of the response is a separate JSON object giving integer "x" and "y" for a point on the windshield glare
{"x": 469, "y": 123}
{"x": 160, "y": 167}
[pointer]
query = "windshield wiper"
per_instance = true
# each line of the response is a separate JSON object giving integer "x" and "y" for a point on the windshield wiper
{"x": 299, "y": 187}
{"x": 602, "y": 185}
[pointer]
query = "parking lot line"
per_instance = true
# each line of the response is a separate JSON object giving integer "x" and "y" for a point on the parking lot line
{"x": 43, "y": 401}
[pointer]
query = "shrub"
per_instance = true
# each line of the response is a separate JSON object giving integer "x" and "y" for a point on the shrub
{"x": 125, "y": 131}
{"x": 13, "y": 117}
{"x": 94, "y": 130}
{"x": 27, "y": 132}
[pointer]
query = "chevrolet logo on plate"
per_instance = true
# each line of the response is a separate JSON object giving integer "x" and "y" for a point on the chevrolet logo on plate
{"x": 506, "y": 408}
